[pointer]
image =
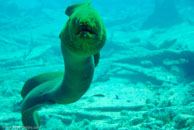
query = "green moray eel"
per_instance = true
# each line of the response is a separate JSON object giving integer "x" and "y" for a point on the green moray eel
{"x": 82, "y": 38}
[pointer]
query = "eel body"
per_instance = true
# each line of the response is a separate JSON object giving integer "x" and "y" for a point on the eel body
{"x": 82, "y": 38}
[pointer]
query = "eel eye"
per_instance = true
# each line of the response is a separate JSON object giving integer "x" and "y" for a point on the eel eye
{"x": 77, "y": 20}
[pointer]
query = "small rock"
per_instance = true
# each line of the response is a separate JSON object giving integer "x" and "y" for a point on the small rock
{"x": 182, "y": 121}
{"x": 136, "y": 121}
{"x": 147, "y": 63}
{"x": 124, "y": 113}
{"x": 85, "y": 122}
{"x": 153, "y": 125}
{"x": 190, "y": 122}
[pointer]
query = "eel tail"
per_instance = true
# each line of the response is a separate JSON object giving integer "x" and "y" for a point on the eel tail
{"x": 30, "y": 119}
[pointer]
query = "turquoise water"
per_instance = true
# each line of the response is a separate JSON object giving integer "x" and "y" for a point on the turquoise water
{"x": 145, "y": 77}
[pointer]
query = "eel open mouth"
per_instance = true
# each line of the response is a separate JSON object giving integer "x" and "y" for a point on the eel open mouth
{"x": 85, "y": 29}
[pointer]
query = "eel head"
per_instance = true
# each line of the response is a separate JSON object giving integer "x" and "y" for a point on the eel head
{"x": 84, "y": 33}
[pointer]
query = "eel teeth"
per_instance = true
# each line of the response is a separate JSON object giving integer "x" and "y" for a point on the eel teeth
{"x": 85, "y": 29}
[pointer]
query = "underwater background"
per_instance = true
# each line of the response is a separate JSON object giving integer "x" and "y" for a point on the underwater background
{"x": 145, "y": 78}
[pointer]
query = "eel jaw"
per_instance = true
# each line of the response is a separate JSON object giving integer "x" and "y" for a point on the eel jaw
{"x": 84, "y": 30}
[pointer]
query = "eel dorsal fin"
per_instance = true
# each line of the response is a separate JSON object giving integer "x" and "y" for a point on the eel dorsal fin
{"x": 73, "y": 7}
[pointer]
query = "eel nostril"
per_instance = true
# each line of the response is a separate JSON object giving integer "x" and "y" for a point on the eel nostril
{"x": 83, "y": 23}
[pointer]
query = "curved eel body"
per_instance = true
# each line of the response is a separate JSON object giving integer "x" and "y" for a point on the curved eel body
{"x": 82, "y": 38}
